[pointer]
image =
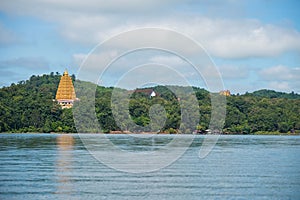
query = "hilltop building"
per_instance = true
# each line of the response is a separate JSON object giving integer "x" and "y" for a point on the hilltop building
{"x": 225, "y": 93}
{"x": 148, "y": 92}
{"x": 65, "y": 95}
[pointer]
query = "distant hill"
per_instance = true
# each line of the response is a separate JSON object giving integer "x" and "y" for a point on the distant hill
{"x": 273, "y": 94}
{"x": 28, "y": 106}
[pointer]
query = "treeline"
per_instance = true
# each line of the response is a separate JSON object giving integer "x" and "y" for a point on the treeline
{"x": 274, "y": 94}
{"x": 28, "y": 106}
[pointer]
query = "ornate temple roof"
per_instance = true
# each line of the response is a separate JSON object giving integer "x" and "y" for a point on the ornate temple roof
{"x": 225, "y": 92}
{"x": 65, "y": 89}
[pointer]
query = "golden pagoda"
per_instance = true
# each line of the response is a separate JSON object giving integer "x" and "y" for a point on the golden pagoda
{"x": 225, "y": 93}
{"x": 65, "y": 95}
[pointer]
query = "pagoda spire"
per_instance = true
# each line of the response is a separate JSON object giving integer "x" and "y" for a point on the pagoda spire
{"x": 66, "y": 72}
{"x": 65, "y": 95}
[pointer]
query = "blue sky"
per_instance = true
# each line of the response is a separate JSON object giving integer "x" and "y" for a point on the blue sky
{"x": 254, "y": 44}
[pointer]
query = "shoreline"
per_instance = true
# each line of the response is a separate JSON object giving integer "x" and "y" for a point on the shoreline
{"x": 155, "y": 133}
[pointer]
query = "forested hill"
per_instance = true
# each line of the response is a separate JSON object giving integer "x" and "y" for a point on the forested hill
{"x": 28, "y": 106}
{"x": 274, "y": 94}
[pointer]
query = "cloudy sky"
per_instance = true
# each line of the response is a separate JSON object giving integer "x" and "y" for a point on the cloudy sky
{"x": 255, "y": 44}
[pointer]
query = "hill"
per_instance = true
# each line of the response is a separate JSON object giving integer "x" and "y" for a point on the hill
{"x": 28, "y": 106}
{"x": 273, "y": 94}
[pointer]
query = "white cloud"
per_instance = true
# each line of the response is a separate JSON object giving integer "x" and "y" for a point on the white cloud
{"x": 55, "y": 9}
{"x": 280, "y": 85}
{"x": 240, "y": 38}
{"x": 182, "y": 67}
{"x": 221, "y": 38}
{"x": 33, "y": 63}
{"x": 168, "y": 60}
{"x": 96, "y": 61}
{"x": 152, "y": 74}
{"x": 14, "y": 70}
{"x": 6, "y": 36}
{"x": 92, "y": 65}
{"x": 90, "y": 22}
{"x": 280, "y": 72}
{"x": 144, "y": 62}
{"x": 234, "y": 72}
{"x": 281, "y": 78}
{"x": 143, "y": 65}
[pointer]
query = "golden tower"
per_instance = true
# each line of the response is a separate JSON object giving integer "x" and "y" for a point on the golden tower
{"x": 225, "y": 93}
{"x": 65, "y": 95}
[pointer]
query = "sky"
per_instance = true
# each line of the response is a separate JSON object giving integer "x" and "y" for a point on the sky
{"x": 254, "y": 44}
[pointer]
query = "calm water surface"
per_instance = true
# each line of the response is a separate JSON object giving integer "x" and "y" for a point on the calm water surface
{"x": 51, "y": 166}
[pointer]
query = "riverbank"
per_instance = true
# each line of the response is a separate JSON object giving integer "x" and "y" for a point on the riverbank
{"x": 161, "y": 133}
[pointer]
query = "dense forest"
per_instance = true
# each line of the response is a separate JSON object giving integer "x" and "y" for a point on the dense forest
{"x": 28, "y": 106}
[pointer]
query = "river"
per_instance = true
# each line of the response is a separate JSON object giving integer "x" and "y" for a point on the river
{"x": 58, "y": 166}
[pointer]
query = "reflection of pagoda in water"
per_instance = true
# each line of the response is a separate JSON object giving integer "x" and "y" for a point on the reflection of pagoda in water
{"x": 65, "y": 95}
{"x": 64, "y": 163}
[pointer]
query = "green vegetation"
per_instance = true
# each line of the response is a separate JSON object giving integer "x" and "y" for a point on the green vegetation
{"x": 29, "y": 107}
{"x": 274, "y": 94}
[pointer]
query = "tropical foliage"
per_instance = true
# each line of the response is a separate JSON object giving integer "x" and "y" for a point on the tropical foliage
{"x": 28, "y": 106}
